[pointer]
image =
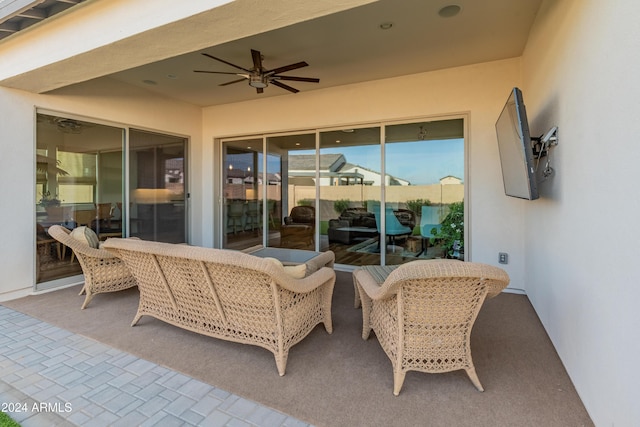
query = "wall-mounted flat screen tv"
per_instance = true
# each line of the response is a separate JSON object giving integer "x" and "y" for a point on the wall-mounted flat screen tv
{"x": 516, "y": 151}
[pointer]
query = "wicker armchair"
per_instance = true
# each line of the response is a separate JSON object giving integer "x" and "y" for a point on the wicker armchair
{"x": 103, "y": 271}
{"x": 423, "y": 311}
{"x": 228, "y": 295}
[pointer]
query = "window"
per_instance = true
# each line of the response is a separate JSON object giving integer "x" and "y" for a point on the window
{"x": 373, "y": 194}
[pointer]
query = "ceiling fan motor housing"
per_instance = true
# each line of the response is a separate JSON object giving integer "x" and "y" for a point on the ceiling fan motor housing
{"x": 258, "y": 80}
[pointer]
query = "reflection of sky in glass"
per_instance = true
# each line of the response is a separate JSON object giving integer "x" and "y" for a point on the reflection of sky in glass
{"x": 419, "y": 162}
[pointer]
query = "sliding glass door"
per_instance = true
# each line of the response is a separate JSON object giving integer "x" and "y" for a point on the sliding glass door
{"x": 385, "y": 194}
{"x": 79, "y": 182}
{"x": 350, "y": 191}
{"x": 243, "y": 193}
{"x": 157, "y": 187}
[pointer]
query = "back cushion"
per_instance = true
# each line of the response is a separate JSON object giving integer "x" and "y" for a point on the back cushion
{"x": 86, "y": 235}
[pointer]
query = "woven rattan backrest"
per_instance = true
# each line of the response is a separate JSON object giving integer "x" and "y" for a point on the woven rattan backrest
{"x": 446, "y": 271}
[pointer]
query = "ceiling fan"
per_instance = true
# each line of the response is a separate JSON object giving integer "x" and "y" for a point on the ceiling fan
{"x": 259, "y": 77}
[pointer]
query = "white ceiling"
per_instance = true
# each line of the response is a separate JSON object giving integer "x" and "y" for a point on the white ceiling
{"x": 350, "y": 47}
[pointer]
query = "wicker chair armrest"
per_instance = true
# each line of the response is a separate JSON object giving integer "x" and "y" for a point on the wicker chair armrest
{"x": 324, "y": 259}
{"x": 309, "y": 283}
{"x": 369, "y": 285}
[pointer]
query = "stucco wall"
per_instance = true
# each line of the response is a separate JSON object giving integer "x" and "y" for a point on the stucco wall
{"x": 478, "y": 91}
{"x": 106, "y": 101}
{"x": 580, "y": 69}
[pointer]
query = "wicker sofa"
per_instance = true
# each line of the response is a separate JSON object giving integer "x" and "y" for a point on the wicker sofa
{"x": 227, "y": 294}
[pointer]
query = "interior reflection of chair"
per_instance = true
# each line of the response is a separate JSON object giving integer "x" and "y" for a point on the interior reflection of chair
{"x": 271, "y": 204}
{"x": 254, "y": 219}
{"x": 84, "y": 217}
{"x": 103, "y": 271}
{"x": 422, "y": 312}
{"x": 393, "y": 227}
{"x": 235, "y": 213}
{"x": 298, "y": 228}
{"x": 104, "y": 213}
{"x": 429, "y": 220}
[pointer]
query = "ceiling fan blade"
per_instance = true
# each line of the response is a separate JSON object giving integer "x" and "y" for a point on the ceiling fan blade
{"x": 287, "y": 68}
{"x": 220, "y": 72}
{"x": 225, "y": 62}
{"x": 297, "y": 79}
{"x": 257, "y": 59}
{"x": 233, "y": 81}
{"x": 284, "y": 86}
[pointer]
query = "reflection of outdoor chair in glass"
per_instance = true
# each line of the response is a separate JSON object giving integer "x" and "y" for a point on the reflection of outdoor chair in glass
{"x": 235, "y": 213}
{"x": 393, "y": 227}
{"x": 298, "y": 228}
{"x": 104, "y": 213}
{"x": 430, "y": 219}
{"x": 254, "y": 219}
{"x": 271, "y": 204}
{"x": 84, "y": 217}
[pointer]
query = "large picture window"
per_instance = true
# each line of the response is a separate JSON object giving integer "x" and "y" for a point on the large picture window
{"x": 384, "y": 194}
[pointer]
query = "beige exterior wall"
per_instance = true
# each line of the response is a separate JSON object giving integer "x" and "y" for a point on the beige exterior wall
{"x": 476, "y": 93}
{"x": 581, "y": 237}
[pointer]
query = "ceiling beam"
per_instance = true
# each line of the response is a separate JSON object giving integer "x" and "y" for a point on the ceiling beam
{"x": 14, "y": 8}
{"x": 8, "y": 27}
{"x": 33, "y": 14}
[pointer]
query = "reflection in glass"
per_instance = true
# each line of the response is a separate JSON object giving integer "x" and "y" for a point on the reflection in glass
{"x": 243, "y": 193}
{"x": 294, "y": 156}
{"x": 157, "y": 187}
{"x": 350, "y": 185}
{"x": 411, "y": 193}
{"x": 425, "y": 163}
{"x": 78, "y": 183}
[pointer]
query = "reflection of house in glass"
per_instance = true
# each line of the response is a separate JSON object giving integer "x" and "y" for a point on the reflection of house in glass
{"x": 335, "y": 170}
{"x": 450, "y": 180}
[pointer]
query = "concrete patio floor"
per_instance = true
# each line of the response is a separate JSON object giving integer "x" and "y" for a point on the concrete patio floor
{"x": 52, "y": 377}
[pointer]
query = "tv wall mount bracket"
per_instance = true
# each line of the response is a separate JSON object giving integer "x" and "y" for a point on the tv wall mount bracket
{"x": 541, "y": 148}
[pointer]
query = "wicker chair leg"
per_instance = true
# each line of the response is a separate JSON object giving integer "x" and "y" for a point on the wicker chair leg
{"x": 356, "y": 301}
{"x": 83, "y": 290}
{"x": 398, "y": 380}
{"x": 135, "y": 320}
{"x": 281, "y": 362}
{"x": 471, "y": 372}
{"x": 328, "y": 324}
{"x": 326, "y": 309}
{"x": 87, "y": 299}
{"x": 366, "y": 315}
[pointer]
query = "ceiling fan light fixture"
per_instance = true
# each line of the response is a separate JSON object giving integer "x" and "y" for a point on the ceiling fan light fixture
{"x": 258, "y": 81}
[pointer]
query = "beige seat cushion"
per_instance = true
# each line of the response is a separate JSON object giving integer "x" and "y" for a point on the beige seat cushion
{"x": 86, "y": 235}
